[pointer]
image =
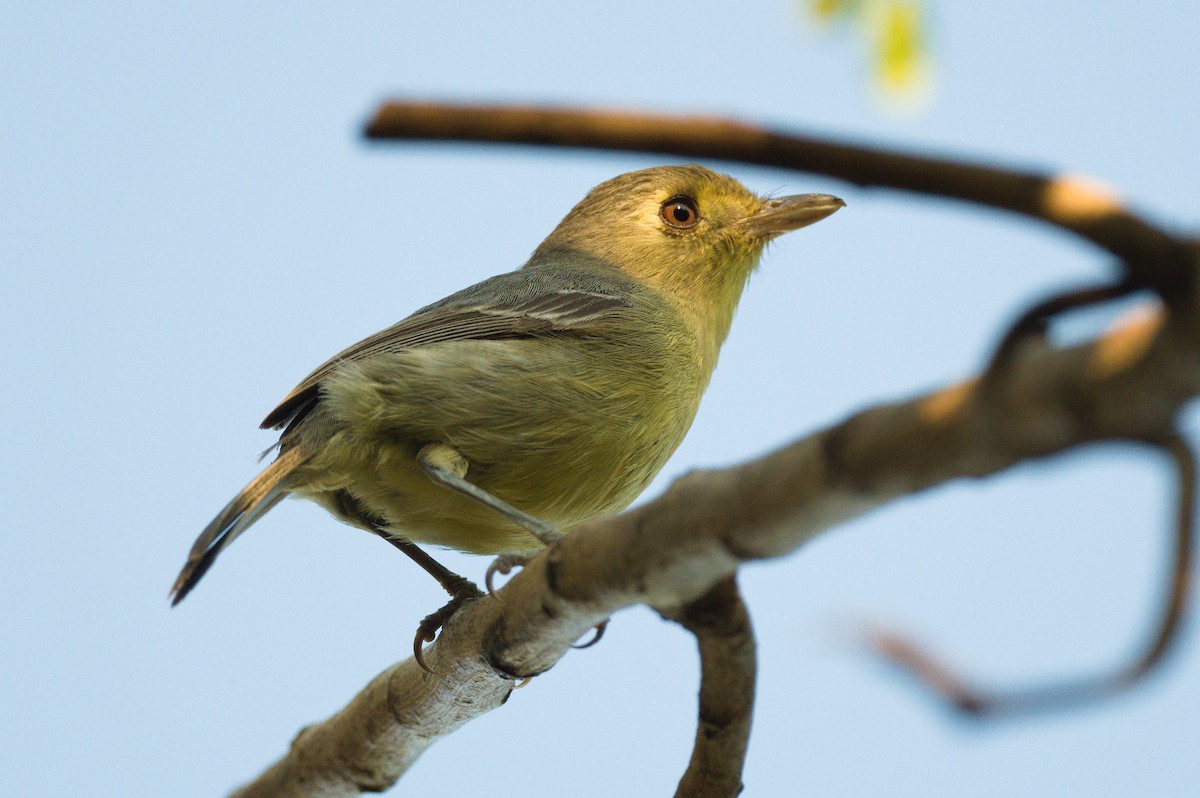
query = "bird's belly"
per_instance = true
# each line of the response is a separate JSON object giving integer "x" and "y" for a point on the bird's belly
{"x": 540, "y": 428}
{"x": 562, "y": 488}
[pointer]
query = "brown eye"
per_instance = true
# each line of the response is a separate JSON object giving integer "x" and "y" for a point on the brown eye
{"x": 680, "y": 212}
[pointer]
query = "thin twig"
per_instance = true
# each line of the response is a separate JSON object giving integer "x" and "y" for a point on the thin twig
{"x": 959, "y": 692}
{"x": 1035, "y": 318}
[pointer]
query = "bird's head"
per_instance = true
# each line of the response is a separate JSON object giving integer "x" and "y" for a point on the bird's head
{"x": 694, "y": 234}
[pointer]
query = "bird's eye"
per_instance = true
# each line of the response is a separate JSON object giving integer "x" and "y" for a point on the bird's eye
{"x": 680, "y": 212}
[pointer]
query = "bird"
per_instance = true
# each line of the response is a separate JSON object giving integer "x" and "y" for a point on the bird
{"x": 504, "y": 415}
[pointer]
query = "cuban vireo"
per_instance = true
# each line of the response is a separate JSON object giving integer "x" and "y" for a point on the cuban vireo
{"x": 548, "y": 395}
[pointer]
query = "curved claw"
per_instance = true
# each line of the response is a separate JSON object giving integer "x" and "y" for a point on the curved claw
{"x": 428, "y": 628}
{"x": 495, "y": 568}
{"x": 503, "y": 565}
{"x": 598, "y": 632}
{"x": 419, "y": 642}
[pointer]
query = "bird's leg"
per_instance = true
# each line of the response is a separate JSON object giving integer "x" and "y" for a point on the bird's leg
{"x": 451, "y": 582}
{"x": 446, "y": 466}
{"x": 461, "y": 590}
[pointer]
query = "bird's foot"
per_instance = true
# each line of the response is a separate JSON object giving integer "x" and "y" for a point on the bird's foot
{"x": 460, "y": 593}
{"x": 503, "y": 565}
{"x": 597, "y": 633}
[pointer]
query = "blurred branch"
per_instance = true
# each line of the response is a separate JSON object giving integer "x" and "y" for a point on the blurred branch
{"x": 973, "y": 701}
{"x": 1152, "y": 256}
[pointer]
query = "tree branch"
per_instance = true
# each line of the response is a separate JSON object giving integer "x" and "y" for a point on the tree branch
{"x": 679, "y": 552}
{"x": 728, "y": 667}
{"x": 1128, "y": 384}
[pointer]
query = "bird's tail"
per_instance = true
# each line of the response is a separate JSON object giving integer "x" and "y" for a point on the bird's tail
{"x": 264, "y": 492}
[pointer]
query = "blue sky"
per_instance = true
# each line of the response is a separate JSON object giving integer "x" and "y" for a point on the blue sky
{"x": 192, "y": 222}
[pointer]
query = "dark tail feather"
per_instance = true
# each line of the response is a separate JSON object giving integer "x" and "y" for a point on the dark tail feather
{"x": 264, "y": 492}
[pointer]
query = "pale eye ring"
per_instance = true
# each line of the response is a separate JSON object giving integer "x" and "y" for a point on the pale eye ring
{"x": 680, "y": 212}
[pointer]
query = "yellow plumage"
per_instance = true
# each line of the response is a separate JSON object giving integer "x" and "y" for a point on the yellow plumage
{"x": 562, "y": 388}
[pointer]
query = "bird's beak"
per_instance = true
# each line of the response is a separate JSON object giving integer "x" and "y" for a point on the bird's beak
{"x": 783, "y": 214}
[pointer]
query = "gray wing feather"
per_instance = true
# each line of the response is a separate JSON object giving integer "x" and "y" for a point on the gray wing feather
{"x": 527, "y": 307}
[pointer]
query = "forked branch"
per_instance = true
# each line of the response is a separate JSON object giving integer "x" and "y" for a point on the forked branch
{"x": 670, "y": 552}
{"x": 679, "y": 553}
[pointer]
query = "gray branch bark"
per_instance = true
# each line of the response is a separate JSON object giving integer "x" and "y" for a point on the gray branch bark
{"x": 728, "y": 668}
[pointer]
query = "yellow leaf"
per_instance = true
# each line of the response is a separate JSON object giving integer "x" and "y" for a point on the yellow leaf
{"x": 900, "y": 49}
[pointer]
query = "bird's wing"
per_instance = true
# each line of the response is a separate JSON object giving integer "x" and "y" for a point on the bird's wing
{"x": 528, "y": 310}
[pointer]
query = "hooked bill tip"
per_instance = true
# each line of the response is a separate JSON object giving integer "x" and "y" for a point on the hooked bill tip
{"x": 784, "y": 214}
